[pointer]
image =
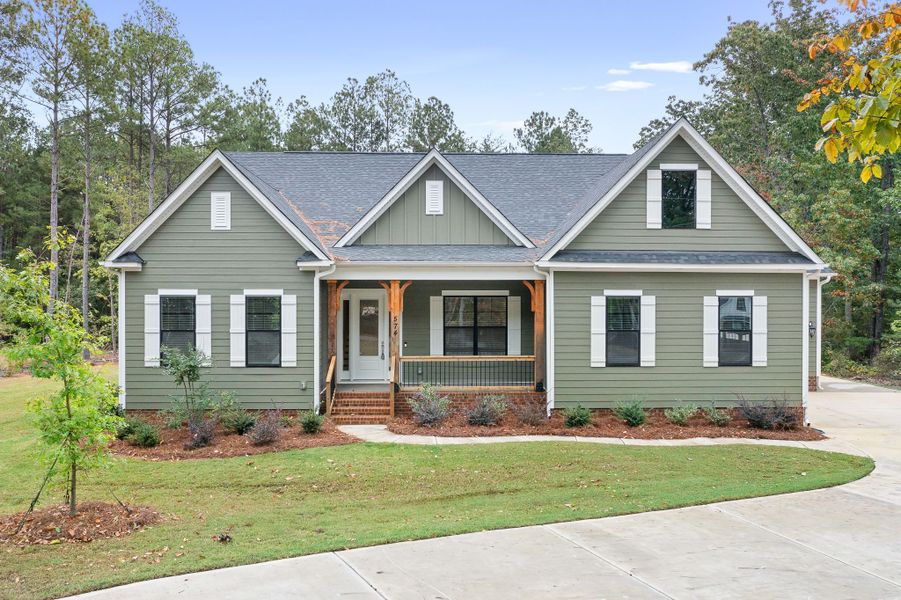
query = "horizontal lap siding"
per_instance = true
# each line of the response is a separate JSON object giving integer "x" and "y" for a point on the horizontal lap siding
{"x": 623, "y": 224}
{"x": 678, "y": 374}
{"x": 405, "y": 222}
{"x": 255, "y": 253}
{"x": 812, "y": 318}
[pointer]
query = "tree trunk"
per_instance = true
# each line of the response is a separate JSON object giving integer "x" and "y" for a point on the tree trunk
{"x": 880, "y": 265}
{"x": 73, "y": 507}
{"x": 86, "y": 229}
{"x": 54, "y": 202}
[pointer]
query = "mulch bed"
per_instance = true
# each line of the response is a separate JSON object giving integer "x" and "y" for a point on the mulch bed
{"x": 225, "y": 444}
{"x": 605, "y": 424}
{"x": 95, "y": 520}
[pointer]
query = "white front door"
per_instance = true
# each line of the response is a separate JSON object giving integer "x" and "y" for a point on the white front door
{"x": 368, "y": 335}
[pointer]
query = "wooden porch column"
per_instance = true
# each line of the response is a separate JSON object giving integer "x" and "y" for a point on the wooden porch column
{"x": 333, "y": 302}
{"x": 536, "y": 288}
{"x": 395, "y": 310}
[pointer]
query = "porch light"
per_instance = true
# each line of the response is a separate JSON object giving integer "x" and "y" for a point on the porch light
{"x": 811, "y": 329}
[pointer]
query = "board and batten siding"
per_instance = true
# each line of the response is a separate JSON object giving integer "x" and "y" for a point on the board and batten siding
{"x": 256, "y": 253}
{"x": 679, "y": 374}
{"x": 623, "y": 224}
{"x": 405, "y": 221}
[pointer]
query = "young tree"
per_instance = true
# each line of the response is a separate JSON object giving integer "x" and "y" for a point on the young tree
{"x": 353, "y": 119}
{"x": 432, "y": 125}
{"x": 392, "y": 101}
{"x": 307, "y": 126}
{"x": 76, "y": 422}
{"x": 542, "y": 132}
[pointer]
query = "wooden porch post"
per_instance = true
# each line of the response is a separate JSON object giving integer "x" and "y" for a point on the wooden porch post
{"x": 395, "y": 309}
{"x": 537, "y": 290}
{"x": 332, "y": 331}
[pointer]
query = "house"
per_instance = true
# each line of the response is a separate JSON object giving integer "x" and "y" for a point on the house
{"x": 344, "y": 281}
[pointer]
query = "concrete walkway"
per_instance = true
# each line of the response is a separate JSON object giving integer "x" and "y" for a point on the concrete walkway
{"x": 842, "y": 542}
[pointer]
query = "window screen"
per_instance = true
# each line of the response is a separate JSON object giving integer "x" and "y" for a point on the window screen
{"x": 679, "y": 199}
{"x": 735, "y": 330}
{"x": 475, "y": 325}
{"x": 177, "y": 323}
{"x": 623, "y": 331}
{"x": 264, "y": 331}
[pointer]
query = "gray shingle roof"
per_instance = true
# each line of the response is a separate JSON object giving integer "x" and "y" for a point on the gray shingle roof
{"x": 677, "y": 257}
{"x": 129, "y": 257}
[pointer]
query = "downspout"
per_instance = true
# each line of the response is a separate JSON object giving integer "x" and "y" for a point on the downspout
{"x": 549, "y": 336}
{"x": 317, "y": 277}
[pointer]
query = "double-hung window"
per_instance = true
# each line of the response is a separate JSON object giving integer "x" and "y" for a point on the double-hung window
{"x": 178, "y": 323}
{"x": 735, "y": 333}
{"x": 475, "y": 325}
{"x": 623, "y": 331}
{"x": 263, "y": 336}
{"x": 679, "y": 197}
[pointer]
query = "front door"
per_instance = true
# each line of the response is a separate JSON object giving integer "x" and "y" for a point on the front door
{"x": 368, "y": 343}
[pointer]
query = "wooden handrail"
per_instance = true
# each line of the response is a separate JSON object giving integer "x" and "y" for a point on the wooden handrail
{"x": 329, "y": 375}
{"x": 481, "y": 358}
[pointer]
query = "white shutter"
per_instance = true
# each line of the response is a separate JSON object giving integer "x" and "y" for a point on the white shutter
{"x": 204, "y": 327}
{"x": 220, "y": 210}
{"x": 151, "y": 330}
{"x": 758, "y": 332}
{"x": 655, "y": 199}
{"x": 598, "y": 331}
{"x": 436, "y": 325}
{"x": 514, "y": 326}
{"x": 289, "y": 330}
{"x": 711, "y": 331}
{"x": 237, "y": 332}
{"x": 648, "y": 331}
{"x": 434, "y": 197}
{"x": 703, "y": 200}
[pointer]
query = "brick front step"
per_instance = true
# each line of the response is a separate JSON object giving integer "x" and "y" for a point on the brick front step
{"x": 357, "y": 401}
{"x": 361, "y": 410}
{"x": 359, "y": 420}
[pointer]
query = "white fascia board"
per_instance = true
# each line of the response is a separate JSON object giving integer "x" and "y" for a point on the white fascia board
{"x": 122, "y": 266}
{"x": 434, "y": 271}
{"x": 433, "y": 157}
{"x": 656, "y": 267}
{"x": 678, "y": 166}
{"x": 187, "y": 187}
{"x": 722, "y": 168}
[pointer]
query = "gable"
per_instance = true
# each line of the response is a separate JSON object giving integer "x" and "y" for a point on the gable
{"x": 622, "y": 225}
{"x": 406, "y": 222}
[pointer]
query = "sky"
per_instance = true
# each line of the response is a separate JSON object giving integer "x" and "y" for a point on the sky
{"x": 494, "y": 63}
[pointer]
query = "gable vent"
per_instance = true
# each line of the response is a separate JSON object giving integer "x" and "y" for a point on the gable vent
{"x": 220, "y": 210}
{"x": 434, "y": 197}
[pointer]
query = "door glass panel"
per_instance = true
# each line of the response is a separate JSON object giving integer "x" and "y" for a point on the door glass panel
{"x": 369, "y": 327}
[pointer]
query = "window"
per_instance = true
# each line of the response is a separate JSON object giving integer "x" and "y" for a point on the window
{"x": 264, "y": 335}
{"x": 177, "y": 323}
{"x": 475, "y": 325}
{"x": 735, "y": 331}
{"x": 623, "y": 331}
{"x": 679, "y": 193}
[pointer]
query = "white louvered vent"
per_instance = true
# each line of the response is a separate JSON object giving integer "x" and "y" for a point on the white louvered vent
{"x": 221, "y": 211}
{"x": 434, "y": 197}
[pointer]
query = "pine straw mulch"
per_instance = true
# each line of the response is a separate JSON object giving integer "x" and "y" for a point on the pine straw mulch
{"x": 225, "y": 444}
{"x": 95, "y": 520}
{"x": 605, "y": 424}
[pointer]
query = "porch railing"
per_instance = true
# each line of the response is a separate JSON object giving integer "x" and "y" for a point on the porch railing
{"x": 468, "y": 371}
{"x": 330, "y": 382}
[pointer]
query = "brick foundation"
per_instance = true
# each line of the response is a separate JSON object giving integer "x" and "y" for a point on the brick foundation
{"x": 813, "y": 383}
{"x": 465, "y": 399}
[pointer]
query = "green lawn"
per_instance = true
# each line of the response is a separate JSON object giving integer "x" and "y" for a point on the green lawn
{"x": 300, "y": 502}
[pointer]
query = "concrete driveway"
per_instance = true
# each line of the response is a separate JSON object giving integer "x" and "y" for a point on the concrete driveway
{"x": 841, "y": 542}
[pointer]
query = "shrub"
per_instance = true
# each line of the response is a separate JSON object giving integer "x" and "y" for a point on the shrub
{"x": 125, "y": 428}
{"x": 488, "y": 411}
{"x": 143, "y": 435}
{"x": 531, "y": 413}
{"x": 888, "y": 362}
{"x": 717, "y": 417}
{"x": 576, "y": 416}
{"x": 238, "y": 421}
{"x": 429, "y": 409}
{"x": 681, "y": 414}
{"x": 286, "y": 421}
{"x": 768, "y": 415}
{"x": 840, "y": 364}
{"x": 267, "y": 428}
{"x": 632, "y": 413}
{"x": 310, "y": 422}
{"x": 203, "y": 432}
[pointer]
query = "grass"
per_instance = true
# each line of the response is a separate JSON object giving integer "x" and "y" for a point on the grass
{"x": 300, "y": 502}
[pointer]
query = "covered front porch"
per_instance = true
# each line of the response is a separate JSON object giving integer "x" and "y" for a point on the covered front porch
{"x": 386, "y": 337}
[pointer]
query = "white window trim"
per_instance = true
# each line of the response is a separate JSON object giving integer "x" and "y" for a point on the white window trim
{"x": 735, "y": 292}
{"x": 238, "y": 326}
{"x": 264, "y": 292}
{"x": 622, "y": 293}
{"x": 203, "y": 334}
{"x": 176, "y": 292}
{"x": 514, "y": 345}
{"x": 678, "y": 166}
{"x": 647, "y": 331}
{"x": 475, "y": 292}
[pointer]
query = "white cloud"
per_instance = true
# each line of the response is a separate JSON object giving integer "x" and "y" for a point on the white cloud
{"x": 622, "y": 85}
{"x": 676, "y": 66}
{"x": 618, "y": 71}
{"x": 575, "y": 88}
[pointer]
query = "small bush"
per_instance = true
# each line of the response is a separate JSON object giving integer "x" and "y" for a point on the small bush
{"x": 576, "y": 416}
{"x": 681, "y": 414}
{"x": 488, "y": 411}
{"x": 531, "y": 413}
{"x": 203, "y": 432}
{"x": 429, "y": 409}
{"x": 143, "y": 435}
{"x": 839, "y": 364}
{"x": 173, "y": 419}
{"x": 267, "y": 429}
{"x": 632, "y": 413}
{"x": 768, "y": 415}
{"x": 238, "y": 421}
{"x": 717, "y": 417}
{"x": 310, "y": 422}
{"x": 287, "y": 421}
{"x": 125, "y": 429}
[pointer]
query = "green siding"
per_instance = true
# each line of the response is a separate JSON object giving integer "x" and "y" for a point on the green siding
{"x": 678, "y": 374}
{"x": 405, "y": 222}
{"x": 623, "y": 224}
{"x": 812, "y": 357}
{"x": 255, "y": 253}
